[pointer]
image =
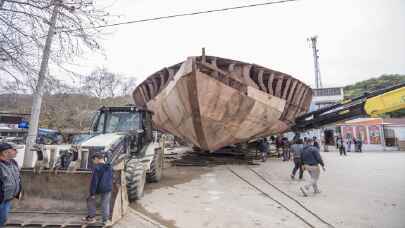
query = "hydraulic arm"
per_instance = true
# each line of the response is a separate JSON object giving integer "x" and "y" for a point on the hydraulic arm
{"x": 369, "y": 104}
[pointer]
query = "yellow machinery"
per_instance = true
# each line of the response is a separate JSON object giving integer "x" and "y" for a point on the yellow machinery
{"x": 386, "y": 102}
{"x": 369, "y": 104}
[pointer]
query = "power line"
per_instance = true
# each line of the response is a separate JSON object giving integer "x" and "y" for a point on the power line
{"x": 174, "y": 16}
{"x": 185, "y": 14}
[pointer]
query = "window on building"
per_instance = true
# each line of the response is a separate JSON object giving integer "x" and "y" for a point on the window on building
{"x": 328, "y": 92}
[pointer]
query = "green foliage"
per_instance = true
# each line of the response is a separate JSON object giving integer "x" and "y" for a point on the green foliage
{"x": 383, "y": 81}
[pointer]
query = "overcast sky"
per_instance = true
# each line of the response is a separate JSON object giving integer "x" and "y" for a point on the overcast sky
{"x": 358, "y": 39}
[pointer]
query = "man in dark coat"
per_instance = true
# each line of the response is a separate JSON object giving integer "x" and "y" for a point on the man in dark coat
{"x": 311, "y": 159}
{"x": 10, "y": 181}
{"x": 101, "y": 184}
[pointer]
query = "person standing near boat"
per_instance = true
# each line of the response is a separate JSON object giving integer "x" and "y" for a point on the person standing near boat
{"x": 296, "y": 150}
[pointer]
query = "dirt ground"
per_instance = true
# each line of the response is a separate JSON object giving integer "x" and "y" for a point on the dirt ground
{"x": 360, "y": 190}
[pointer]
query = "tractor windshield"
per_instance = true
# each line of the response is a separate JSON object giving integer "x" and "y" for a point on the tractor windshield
{"x": 108, "y": 122}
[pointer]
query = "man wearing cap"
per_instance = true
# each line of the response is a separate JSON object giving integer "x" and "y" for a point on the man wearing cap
{"x": 10, "y": 182}
{"x": 101, "y": 184}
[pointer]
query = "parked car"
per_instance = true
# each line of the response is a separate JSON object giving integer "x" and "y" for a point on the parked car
{"x": 49, "y": 136}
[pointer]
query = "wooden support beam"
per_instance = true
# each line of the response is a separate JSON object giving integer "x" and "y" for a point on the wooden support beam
{"x": 214, "y": 68}
{"x": 291, "y": 93}
{"x": 150, "y": 87}
{"x": 162, "y": 81}
{"x": 297, "y": 94}
{"x": 270, "y": 83}
{"x": 231, "y": 67}
{"x": 171, "y": 74}
{"x": 260, "y": 78}
{"x": 246, "y": 76}
{"x": 278, "y": 86}
{"x": 287, "y": 85}
{"x": 143, "y": 93}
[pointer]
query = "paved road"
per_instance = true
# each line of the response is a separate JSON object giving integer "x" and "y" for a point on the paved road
{"x": 360, "y": 190}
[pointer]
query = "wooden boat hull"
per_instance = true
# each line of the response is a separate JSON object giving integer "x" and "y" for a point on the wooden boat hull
{"x": 214, "y": 102}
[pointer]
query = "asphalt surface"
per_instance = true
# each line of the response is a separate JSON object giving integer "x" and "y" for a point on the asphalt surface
{"x": 360, "y": 190}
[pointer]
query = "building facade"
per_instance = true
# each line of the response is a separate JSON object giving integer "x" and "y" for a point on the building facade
{"x": 376, "y": 133}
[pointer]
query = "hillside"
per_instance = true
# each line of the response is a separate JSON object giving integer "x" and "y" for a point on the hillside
{"x": 383, "y": 81}
{"x": 373, "y": 84}
{"x": 61, "y": 111}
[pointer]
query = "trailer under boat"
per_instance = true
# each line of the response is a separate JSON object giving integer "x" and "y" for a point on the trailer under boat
{"x": 213, "y": 102}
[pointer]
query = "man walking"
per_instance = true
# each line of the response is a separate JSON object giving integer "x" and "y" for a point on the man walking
{"x": 349, "y": 144}
{"x": 285, "y": 149}
{"x": 296, "y": 150}
{"x": 263, "y": 148}
{"x": 101, "y": 184}
{"x": 10, "y": 181}
{"x": 311, "y": 159}
{"x": 341, "y": 146}
{"x": 316, "y": 144}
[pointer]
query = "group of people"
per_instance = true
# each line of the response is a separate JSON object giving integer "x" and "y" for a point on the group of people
{"x": 346, "y": 145}
{"x": 306, "y": 156}
{"x": 11, "y": 186}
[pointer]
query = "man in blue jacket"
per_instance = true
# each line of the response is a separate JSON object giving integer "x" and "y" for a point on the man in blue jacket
{"x": 311, "y": 159}
{"x": 101, "y": 184}
{"x": 10, "y": 181}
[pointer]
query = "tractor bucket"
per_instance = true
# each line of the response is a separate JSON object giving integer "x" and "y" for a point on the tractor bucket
{"x": 58, "y": 199}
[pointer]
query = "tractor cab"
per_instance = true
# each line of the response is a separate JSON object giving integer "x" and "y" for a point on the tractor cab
{"x": 131, "y": 121}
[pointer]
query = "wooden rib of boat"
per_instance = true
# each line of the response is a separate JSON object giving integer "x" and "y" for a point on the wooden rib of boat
{"x": 213, "y": 102}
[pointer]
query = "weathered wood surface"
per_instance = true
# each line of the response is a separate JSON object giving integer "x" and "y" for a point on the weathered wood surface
{"x": 216, "y": 102}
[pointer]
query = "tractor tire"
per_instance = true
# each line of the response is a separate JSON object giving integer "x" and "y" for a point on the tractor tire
{"x": 135, "y": 174}
{"x": 156, "y": 168}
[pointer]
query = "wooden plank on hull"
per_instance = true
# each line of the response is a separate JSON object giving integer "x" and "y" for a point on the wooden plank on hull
{"x": 195, "y": 107}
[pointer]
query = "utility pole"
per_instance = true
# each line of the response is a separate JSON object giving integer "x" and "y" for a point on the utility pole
{"x": 37, "y": 99}
{"x": 318, "y": 82}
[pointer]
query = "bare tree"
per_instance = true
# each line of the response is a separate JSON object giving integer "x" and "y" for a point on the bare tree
{"x": 127, "y": 86}
{"x": 101, "y": 83}
{"x": 23, "y": 25}
{"x": 23, "y": 30}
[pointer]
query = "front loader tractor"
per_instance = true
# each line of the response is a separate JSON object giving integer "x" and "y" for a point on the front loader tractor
{"x": 57, "y": 186}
